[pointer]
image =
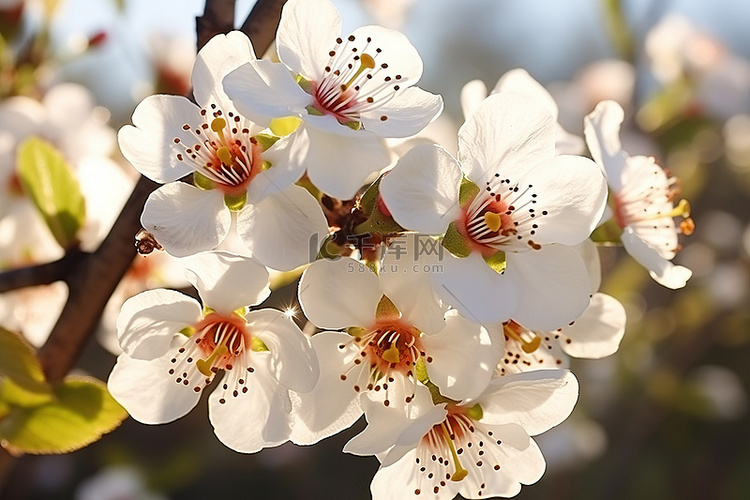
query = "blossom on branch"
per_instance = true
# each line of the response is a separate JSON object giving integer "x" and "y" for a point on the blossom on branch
{"x": 350, "y": 91}
{"x": 643, "y": 197}
{"x": 510, "y": 212}
{"x": 397, "y": 337}
{"x": 479, "y": 448}
{"x": 173, "y": 348}
{"x": 242, "y": 178}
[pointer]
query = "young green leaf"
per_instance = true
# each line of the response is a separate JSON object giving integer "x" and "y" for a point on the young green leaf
{"x": 49, "y": 181}
{"x": 18, "y": 362}
{"x": 80, "y": 413}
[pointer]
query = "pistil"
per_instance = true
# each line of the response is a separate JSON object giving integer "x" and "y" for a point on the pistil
{"x": 460, "y": 472}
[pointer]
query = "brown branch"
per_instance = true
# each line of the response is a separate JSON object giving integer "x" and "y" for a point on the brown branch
{"x": 218, "y": 17}
{"x": 93, "y": 277}
{"x": 42, "y": 274}
{"x": 91, "y": 283}
{"x": 262, "y": 23}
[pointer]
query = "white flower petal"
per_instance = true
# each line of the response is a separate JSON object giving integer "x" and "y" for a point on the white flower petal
{"x": 339, "y": 164}
{"x": 463, "y": 357}
{"x": 307, "y": 32}
{"x": 599, "y": 330}
{"x": 149, "y": 321}
{"x": 222, "y": 54}
{"x": 262, "y": 90}
{"x": 332, "y": 405}
{"x": 396, "y": 51}
{"x": 400, "y": 480}
{"x": 507, "y": 134}
{"x": 590, "y": 255}
{"x": 519, "y": 82}
{"x": 602, "y": 131}
{"x": 472, "y": 95}
{"x": 521, "y": 462}
{"x": 661, "y": 270}
{"x": 421, "y": 191}
{"x": 287, "y": 166}
{"x": 150, "y": 146}
{"x": 387, "y": 426}
{"x": 475, "y": 289}
{"x": 552, "y": 286}
{"x": 185, "y": 219}
{"x": 571, "y": 193}
{"x": 339, "y": 293}
{"x": 147, "y": 391}
{"x": 536, "y": 400}
{"x": 405, "y": 279}
{"x": 285, "y": 230}
{"x": 567, "y": 143}
{"x": 226, "y": 282}
{"x": 255, "y": 419}
{"x": 407, "y": 114}
{"x": 292, "y": 359}
{"x": 106, "y": 188}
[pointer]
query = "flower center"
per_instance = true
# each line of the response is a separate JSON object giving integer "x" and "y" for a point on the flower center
{"x": 388, "y": 350}
{"x": 216, "y": 343}
{"x": 222, "y": 339}
{"x": 448, "y": 448}
{"x": 501, "y": 218}
{"x": 224, "y": 152}
{"x": 354, "y": 82}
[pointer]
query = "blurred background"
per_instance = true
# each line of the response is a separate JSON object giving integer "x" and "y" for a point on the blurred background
{"x": 666, "y": 417}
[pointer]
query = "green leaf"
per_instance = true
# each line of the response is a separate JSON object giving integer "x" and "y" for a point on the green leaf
{"x": 17, "y": 361}
{"x": 81, "y": 412}
{"x": 49, "y": 181}
{"x": 456, "y": 243}
{"x": 13, "y": 395}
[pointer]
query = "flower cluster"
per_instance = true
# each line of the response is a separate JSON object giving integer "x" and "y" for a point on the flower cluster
{"x": 442, "y": 295}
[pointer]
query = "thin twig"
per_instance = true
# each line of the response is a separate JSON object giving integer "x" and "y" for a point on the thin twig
{"x": 218, "y": 17}
{"x": 41, "y": 274}
{"x": 262, "y": 23}
{"x": 93, "y": 278}
{"x": 90, "y": 285}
